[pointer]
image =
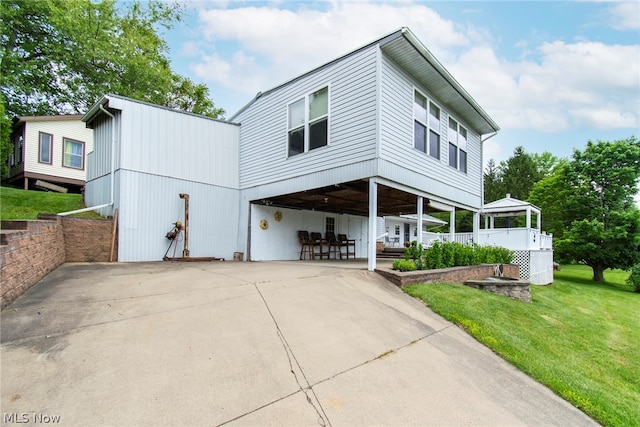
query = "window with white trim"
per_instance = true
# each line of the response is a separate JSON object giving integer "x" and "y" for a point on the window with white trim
{"x": 426, "y": 127}
{"x": 308, "y": 122}
{"x": 73, "y": 154}
{"x": 457, "y": 146}
{"x": 45, "y": 148}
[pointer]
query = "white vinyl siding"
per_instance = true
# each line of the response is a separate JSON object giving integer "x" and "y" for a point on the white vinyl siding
{"x": 352, "y": 123}
{"x": 399, "y": 161}
{"x": 73, "y": 128}
{"x": 153, "y": 140}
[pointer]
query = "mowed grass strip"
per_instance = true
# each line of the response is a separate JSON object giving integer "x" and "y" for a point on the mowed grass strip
{"x": 27, "y": 204}
{"x": 579, "y": 338}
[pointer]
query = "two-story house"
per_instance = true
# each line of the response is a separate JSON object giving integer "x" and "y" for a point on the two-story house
{"x": 383, "y": 130}
{"x": 49, "y": 150}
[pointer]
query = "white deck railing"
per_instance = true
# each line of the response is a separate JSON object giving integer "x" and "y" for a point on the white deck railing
{"x": 511, "y": 238}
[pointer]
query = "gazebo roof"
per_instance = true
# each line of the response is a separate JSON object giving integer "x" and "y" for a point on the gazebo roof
{"x": 509, "y": 207}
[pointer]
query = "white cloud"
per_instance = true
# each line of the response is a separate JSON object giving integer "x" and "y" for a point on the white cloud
{"x": 590, "y": 85}
{"x": 552, "y": 87}
{"x": 289, "y": 43}
{"x": 625, "y": 15}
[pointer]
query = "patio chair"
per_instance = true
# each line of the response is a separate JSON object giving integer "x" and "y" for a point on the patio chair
{"x": 347, "y": 243}
{"x": 319, "y": 242}
{"x": 306, "y": 245}
{"x": 335, "y": 246}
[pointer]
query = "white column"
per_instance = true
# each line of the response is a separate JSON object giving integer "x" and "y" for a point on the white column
{"x": 452, "y": 225}
{"x": 373, "y": 214}
{"x": 528, "y": 217}
{"x": 419, "y": 223}
{"x": 476, "y": 227}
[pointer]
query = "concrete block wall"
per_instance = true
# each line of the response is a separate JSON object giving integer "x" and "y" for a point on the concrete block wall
{"x": 29, "y": 250}
{"x": 88, "y": 240}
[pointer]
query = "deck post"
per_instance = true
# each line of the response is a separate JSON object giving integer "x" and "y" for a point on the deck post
{"x": 452, "y": 225}
{"x": 476, "y": 227}
{"x": 419, "y": 223}
{"x": 373, "y": 215}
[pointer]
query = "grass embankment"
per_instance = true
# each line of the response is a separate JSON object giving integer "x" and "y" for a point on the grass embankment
{"x": 26, "y": 204}
{"x": 578, "y": 337}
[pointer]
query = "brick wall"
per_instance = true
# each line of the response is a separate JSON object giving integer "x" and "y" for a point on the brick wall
{"x": 88, "y": 240}
{"x": 29, "y": 250}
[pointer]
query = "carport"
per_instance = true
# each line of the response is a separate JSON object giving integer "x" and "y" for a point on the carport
{"x": 369, "y": 198}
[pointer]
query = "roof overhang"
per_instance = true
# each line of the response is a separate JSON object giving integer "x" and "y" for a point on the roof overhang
{"x": 349, "y": 198}
{"x": 411, "y": 55}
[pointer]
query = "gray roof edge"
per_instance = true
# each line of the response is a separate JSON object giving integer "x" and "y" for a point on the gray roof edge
{"x": 104, "y": 100}
{"x": 382, "y": 40}
{"x": 428, "y": 56}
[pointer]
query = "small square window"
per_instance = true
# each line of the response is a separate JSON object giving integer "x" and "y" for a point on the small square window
{"x": 73, "y": 154}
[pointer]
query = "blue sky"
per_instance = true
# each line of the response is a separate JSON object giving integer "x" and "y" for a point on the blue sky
{"x": 552, "y": 74}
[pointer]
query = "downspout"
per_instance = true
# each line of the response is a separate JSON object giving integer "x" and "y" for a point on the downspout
{"x": 113, "y": 164}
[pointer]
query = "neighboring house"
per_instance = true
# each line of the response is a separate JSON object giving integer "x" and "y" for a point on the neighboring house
{"x": 382, "y": 131}
{"x": 49, "y": 149}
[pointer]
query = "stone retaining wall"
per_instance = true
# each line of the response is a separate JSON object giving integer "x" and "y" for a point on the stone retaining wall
{"x": 447, "y": 275}
{"x": 29, "y": 250}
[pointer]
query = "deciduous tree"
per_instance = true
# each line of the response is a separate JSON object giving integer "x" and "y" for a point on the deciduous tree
{"x": 60, "y": 56}
{"x": 601, "y": 219}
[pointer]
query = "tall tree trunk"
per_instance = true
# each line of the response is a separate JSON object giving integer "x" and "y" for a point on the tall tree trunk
{"x": 598, "y": 273}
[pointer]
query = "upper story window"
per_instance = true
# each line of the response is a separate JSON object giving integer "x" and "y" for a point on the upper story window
{"x": 426, "y": 135}
{"x": 308, "y": 122}
{"x": 457, "y": 146}
{"x": 73, "y": 156}
{"x": 45, "y": 148}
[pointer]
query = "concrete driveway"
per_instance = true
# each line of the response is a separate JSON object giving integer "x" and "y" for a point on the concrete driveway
{"x": 278, "y": 343}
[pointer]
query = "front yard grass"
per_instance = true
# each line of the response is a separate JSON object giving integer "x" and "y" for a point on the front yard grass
{"x": 579, "y": 338}
{"x": 27, "y": 204}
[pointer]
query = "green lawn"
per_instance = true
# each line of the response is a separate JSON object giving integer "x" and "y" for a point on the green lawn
{"x": 580, "y": 338}
{"x": 25, "y": 204}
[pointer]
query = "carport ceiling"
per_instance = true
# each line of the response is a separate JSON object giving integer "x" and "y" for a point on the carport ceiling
{"x": 349, "y": 198}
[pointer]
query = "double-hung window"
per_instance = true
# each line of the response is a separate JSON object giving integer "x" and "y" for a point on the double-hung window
{"x": 308, "y": 122}
{"x": 73, "y": 155}
{"x": 45, "y": 148}
{"x": 426, "y": 128}
{"x": 457, "y": 146}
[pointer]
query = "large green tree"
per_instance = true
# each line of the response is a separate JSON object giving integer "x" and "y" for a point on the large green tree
{"x": 591, "y": 201}
{"x": 517, "y": 175}
{"x": 60, "y": 56}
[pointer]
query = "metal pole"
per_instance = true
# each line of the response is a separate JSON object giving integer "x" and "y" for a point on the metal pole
{"x": 185, "y": 251}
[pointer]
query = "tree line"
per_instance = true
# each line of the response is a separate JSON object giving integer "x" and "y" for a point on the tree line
{"x": 587, "y": 201}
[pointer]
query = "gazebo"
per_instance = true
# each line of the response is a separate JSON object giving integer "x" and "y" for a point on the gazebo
{"x": 510, "y": 207}
{"x": 533, "y": 248}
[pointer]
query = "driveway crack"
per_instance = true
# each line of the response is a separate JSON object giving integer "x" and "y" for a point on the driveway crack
{"x": 323, "y": 420}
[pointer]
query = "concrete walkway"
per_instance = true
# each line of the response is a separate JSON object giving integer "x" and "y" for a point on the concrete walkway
{"x": 278, "y": 343}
